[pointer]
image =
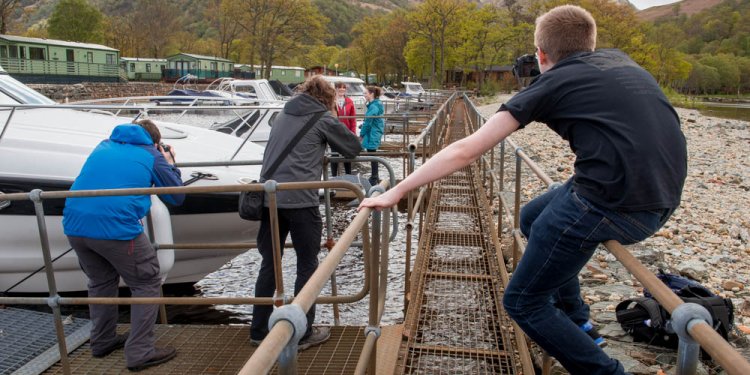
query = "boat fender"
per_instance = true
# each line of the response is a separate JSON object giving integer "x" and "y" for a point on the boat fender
{"x": 162, "y": 224}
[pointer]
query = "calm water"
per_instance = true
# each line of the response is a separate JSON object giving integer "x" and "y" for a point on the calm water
{"x": 725, "y": 110}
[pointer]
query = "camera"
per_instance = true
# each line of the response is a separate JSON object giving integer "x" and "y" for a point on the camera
{"x": 165, "y": 147}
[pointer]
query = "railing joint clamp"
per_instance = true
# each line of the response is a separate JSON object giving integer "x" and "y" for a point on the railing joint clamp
{"x": 518, "y": 150}
{"x": 375, "y": 189}
{"x": 53, "y": 301}
{"x": 35, "y": 195}
{"x": 685, "y": 316}
{"x": 371, "y": 329}
{"x": 293, "y": 314}
{"x": 270, "y": 186}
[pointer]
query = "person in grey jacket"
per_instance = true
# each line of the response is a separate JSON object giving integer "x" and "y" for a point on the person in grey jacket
{"x": 298, "y": 211}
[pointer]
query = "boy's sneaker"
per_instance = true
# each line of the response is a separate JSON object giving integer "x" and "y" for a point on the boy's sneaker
{"x": 594, "y": 334}
{"x": 318, "y": 336}
{"x": 254, "y": 342}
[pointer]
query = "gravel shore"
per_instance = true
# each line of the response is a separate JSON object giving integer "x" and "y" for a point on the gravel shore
{"x": 707, "y": 238}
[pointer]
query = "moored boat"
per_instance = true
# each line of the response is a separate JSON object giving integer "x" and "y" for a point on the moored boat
{"x": 43, "y": 146}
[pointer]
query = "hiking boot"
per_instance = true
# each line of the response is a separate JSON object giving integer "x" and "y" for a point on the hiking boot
{"x": 594, "y": 334}
{"x": 318, "y": 336}
{"x": 117, "y": 344}
{"x": 160, "y": 356}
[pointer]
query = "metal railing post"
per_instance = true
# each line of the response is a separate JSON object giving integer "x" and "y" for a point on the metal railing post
{"x": 517, "y": 210}
{"x": 374, "y": 276}
{"x": 329, "y": 239}
{"x": 53, "y": 301}
{"x": 270, "y": 188}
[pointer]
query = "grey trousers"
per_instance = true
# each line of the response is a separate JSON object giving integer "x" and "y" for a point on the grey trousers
{"x": 104, "y": 262}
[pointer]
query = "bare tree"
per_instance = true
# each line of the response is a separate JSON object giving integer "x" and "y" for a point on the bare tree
{"x": 6, "y": 8}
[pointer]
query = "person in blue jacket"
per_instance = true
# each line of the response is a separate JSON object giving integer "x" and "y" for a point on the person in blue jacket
{"x": 372, "y": 129}
{"x": 107, "y": 235}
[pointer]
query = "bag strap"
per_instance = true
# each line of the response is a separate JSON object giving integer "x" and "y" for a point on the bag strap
{"x": 623, "y": 313}
{"x": 293, "y": 143}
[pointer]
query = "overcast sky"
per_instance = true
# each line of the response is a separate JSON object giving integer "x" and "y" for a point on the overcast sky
{"x": 643, "y": 4}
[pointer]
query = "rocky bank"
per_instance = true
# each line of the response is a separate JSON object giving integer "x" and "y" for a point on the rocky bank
{"x": 707, "y": 238}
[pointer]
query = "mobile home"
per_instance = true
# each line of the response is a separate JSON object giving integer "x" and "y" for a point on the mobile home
{"x": 37, "y": 60}
{"x": 203, "y": 68}
{"x": 143, "y": 69}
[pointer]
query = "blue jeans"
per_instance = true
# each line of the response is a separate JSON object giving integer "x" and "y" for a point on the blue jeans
{"x": 544, "y": 296}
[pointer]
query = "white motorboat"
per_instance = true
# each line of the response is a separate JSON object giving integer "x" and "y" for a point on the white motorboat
{"x": 355, "y": 90}
{"x": 44, "y": 145}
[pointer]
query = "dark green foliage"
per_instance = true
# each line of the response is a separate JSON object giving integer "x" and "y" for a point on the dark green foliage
{"x": 724, "y": 28}
{"x": 76, "y": 20}
{"x": 718, "y": 43}
{"x": 343, "y": 16}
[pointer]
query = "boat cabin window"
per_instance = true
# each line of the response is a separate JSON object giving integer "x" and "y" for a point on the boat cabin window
{"x": 244, "y": 88}
{"x": 272, "y": 119}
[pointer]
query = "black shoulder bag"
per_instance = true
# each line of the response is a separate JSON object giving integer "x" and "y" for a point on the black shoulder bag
{"x": 251, "y": 202}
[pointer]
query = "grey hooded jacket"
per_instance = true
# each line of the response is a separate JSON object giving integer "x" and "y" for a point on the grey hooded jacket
{"x": 305, "y": 161}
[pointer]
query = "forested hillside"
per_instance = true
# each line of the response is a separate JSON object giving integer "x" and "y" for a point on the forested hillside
{"x": 707, "y": 52}
{"x": 715, "y": 43}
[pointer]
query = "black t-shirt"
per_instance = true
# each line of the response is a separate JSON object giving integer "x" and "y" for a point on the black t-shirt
{"x": 630, "y": 151}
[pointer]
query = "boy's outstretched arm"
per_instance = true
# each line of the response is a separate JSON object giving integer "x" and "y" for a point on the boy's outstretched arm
{"x": 452, "y": 158}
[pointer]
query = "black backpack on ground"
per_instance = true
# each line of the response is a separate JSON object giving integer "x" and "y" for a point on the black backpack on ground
{"x": 645, "y": 320}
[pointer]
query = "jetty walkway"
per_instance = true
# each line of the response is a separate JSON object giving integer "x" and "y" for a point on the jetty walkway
{"x": 454, "y": 321}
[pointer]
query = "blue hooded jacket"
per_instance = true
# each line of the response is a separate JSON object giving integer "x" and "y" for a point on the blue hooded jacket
{"x": 372, "y": 128}
{"x": 128, "y": 159}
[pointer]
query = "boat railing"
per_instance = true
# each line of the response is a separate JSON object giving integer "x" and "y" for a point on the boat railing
{"x": 687, "y": 319}
{"x": 374, "y": 252}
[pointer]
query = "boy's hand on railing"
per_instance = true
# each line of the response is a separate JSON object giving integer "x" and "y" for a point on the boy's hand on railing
{"x": 386, "y": 200}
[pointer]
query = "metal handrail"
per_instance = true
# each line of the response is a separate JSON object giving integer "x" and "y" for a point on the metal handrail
{"x": 55, "y": 301}
{"x": 281, "y": 333}
{"x": 719, "y": 349}
{"x": 375, "y": 278}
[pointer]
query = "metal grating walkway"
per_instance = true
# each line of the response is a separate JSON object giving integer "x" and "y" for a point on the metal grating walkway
{"x": 455, "y": 323}
{"x": 28, "y": 342}
{"x": 222, "y": 349}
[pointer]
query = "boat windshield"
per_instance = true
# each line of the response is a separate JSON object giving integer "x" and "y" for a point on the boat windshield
{"x": 414, "y": 87}
{"x": 15, "y": 92}
{"x": 355, "y": 89}
{"x": 244, "y": 88}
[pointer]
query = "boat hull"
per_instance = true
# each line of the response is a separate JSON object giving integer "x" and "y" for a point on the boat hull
{"x": 21, "y": 253}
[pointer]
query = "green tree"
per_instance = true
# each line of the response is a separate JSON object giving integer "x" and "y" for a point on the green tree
{"x": 224, "y": 18}
{"x": 76, "y": 20}
{"x": 278, "y": 30}
{"x": 435, "y": 21}
{"x": 702, "y": 79}
{"x": 729, "y": 72}
{"x": 364, "y": 47}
